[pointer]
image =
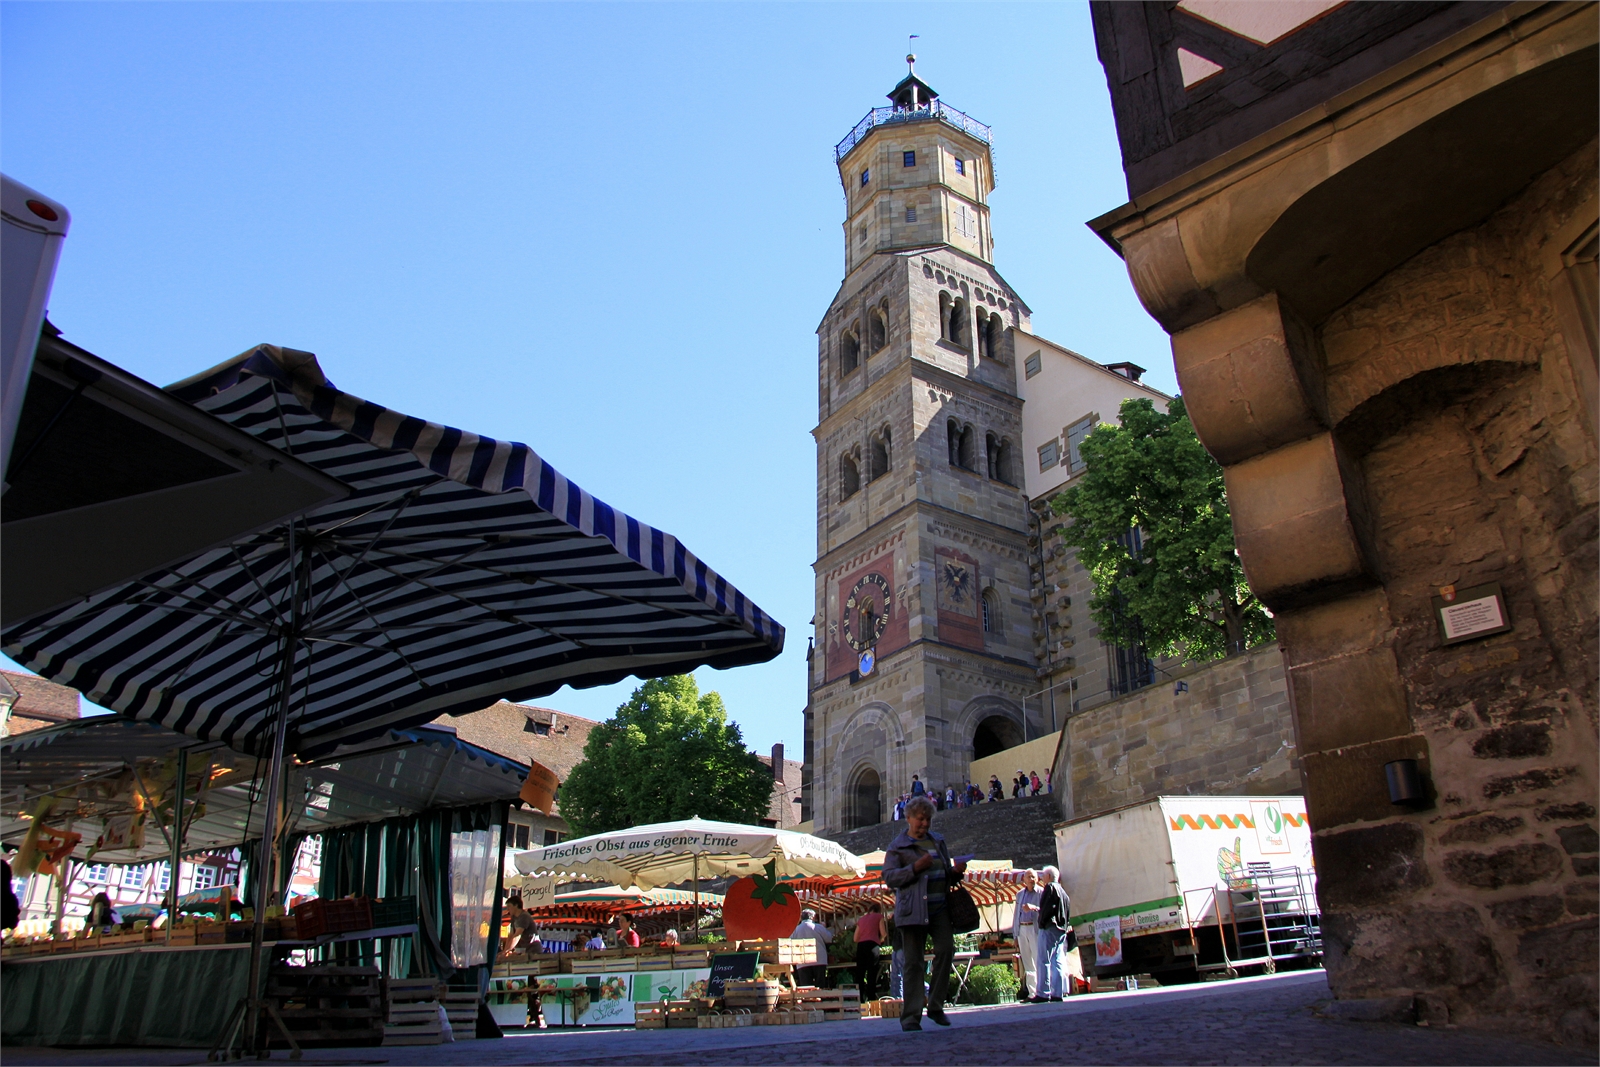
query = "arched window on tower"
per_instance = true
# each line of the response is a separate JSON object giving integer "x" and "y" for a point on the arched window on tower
{"x": 878, "y": 456}
{"x": 877, "y": 329}
{"x": 991, "y": 336}
{"x": 849, "y": 352}
{"x": 991, "y": 611}
{"x": 960, "y": 442}
{"x": 849, "y": 477}
{"x": 999, "y": 459}
{"x": 944, "y": 315}
{"x": 958, "y": 322}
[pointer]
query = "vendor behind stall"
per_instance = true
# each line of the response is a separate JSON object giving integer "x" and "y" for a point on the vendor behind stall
{"x": 669, "y": 939}
{"x": 521, "y": 926}
{"x": 627, "y": 936}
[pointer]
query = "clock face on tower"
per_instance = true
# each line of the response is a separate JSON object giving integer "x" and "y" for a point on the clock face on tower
{"x": 866, "y": 612}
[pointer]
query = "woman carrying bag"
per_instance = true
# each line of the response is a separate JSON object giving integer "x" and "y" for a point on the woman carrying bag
{"x": 918, "y": 867}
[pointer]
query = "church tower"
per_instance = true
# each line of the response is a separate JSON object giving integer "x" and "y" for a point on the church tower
{"x": 923, "y": 655}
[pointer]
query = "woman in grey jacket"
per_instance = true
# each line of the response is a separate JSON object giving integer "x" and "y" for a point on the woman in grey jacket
{"x": 918, "y": 867}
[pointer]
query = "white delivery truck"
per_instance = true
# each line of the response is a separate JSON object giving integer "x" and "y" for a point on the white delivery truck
{"x": 1176, "y": 887}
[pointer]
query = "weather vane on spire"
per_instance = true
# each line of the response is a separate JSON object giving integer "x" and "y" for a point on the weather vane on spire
{"x": 911, "y": 57}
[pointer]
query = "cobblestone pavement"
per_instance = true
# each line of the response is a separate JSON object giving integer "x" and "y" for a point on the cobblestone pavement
{"x": 1263, "y": 1020}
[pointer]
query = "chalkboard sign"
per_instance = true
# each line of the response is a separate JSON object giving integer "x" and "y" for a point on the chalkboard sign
{"x": 740, "y": 966}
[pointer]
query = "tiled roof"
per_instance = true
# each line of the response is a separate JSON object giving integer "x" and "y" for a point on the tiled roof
{"x": 514, "y": 730}
{"x": 39, "y": 703}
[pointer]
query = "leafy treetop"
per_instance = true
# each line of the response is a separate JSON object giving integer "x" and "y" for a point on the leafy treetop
{"x": 669, "y": 753}
{"x": 1178, "y": 586}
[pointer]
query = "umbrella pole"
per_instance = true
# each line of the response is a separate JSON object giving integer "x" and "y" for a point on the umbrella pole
{"x": 269, "y": 814}
{"x": 697, "y": 897}
{"x": 177, "y": 842}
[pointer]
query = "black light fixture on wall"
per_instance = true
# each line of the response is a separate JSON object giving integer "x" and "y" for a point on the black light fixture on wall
{"x": 1405, "y": 783}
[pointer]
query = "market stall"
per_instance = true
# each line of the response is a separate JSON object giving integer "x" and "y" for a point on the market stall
{"x": 54, "y": 989}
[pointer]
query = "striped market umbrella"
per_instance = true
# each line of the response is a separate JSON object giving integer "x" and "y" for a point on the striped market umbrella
{"x": 459, "y": 571}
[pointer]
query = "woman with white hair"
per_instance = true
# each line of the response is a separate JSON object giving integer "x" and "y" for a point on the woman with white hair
{"x": 1054, "y": 912}
{"x": 918, "y": 867}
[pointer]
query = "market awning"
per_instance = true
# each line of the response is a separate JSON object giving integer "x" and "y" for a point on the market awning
{"x": 846, "y": 896}
{"x": 663, "y": 854}
{"x": 104, "y": 765}
{"x": 462, "y": 570}
{"x": 111, "y": 477}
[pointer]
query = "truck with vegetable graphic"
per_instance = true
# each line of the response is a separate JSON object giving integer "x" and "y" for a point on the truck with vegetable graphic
{"x": 1193, "y": 884}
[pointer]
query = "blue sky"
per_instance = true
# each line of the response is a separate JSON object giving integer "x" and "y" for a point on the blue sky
{"x": 605, "y": 230}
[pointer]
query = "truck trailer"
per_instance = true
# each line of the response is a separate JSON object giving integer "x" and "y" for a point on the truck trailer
{"x": 1182, "y": 887}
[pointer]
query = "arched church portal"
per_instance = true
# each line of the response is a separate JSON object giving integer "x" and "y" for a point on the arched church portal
{"x": 866, "y": 799}
{"x": 995, "y": 734}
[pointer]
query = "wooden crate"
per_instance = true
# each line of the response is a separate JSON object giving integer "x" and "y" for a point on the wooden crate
{"x": 650, "y": 1016}
{"x": 656, "y": 963}
{"x": 325, "y": 1007}
{"x": 835, "y": 1004}
{"x": 413, "y": 1012}
{"x": 686, "y": 959}
{"x": 682, "y": 1014}
{"x": 602, "y": 966}
{"x": 759, "y": 996}
{"x": 461, "y": 1008}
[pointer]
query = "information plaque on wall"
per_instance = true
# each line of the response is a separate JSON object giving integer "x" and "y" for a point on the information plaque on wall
{"x": 1471, "y": 613}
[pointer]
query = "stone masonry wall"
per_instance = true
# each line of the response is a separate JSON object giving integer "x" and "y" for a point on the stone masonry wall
{"x": 1453, "y": 396}
{"x": 1231, "y": 734}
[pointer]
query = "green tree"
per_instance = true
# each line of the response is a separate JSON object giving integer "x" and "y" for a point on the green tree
{"x": 669, "y": 753}
{"x": 1178, "y": 585}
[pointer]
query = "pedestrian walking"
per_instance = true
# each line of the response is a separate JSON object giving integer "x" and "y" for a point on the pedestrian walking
{"x": 869, "y": 939}
{"x": 1054, "y": 912}
{"x": 809, "y": 927}
{"x": 950, "y": 797}
{"x": 1049, "y": 780}
{"x": 918, "y": 867}
{"x": 996, "y": 790}
{"x": 1019, "y": 785}
{"x": 1025, "y": 928}
{"x": 1033, "y": 781}
{"x": 917, "y": 788}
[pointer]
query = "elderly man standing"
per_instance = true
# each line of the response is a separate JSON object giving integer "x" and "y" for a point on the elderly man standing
{"x": 1054, "y": 913}
{"x": 918, "y": 867}
{"x": 809, "y": 927}
{"x": 1025, "y": 928}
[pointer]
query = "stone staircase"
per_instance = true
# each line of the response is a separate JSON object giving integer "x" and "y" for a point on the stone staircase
{"x": 1021, "y": 830}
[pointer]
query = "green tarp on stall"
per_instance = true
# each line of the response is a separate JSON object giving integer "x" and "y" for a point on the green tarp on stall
{"x": 172, "y": 997}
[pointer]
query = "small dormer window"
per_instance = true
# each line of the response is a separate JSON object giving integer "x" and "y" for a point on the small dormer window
{"x": 961, "y": 166}
{"x": 910, "y": 158}
{"x": 866, "y": 176}
{"x": 542, "y": 729}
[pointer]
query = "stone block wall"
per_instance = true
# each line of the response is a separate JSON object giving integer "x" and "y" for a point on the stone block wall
{"x": 1021, "y": 830}
{"x": 1230, "y": 734}
{"x": 1462, "y": 430}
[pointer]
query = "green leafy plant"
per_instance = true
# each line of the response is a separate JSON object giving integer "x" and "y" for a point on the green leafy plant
{"x": 993, "y": 983}
{"x": 1176, "y": 585}
{"x": 669, "y": 753}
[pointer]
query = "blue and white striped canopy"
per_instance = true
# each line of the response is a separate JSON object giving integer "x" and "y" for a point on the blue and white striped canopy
{"x": 461, "y": 570}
